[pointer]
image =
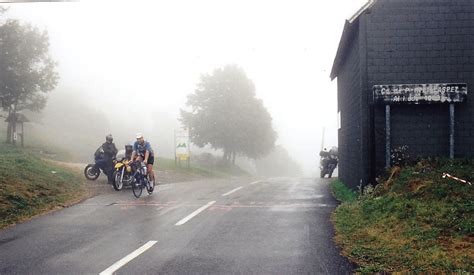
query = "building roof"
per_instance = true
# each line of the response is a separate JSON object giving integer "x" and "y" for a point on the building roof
{"x": 350, "y": 27}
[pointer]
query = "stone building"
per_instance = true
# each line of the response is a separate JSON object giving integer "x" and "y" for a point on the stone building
{"x": 417, "y": 58}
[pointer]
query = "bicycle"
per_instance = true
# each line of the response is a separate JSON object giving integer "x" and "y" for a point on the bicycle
{"x": 141, "y": 179}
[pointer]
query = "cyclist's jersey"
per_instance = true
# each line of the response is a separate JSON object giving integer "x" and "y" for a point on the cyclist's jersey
{"x": 141, "y": 149}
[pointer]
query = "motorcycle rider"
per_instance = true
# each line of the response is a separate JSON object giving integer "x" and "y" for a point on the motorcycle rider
{"x": 110, "y": 154}
{"x": 142, "y": 149}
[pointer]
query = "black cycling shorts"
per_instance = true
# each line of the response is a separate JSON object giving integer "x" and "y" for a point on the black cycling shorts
{"x": 151, "y": 160}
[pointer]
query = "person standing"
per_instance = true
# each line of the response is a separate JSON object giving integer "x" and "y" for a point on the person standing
{"x": 110, "y": 154}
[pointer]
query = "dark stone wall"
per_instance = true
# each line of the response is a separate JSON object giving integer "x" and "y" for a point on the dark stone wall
{"x": 349, "y": 98}
{"x": 422, "y": 41}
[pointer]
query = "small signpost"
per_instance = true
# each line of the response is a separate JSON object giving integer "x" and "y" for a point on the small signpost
{"x": 392, "y": 94}
{"x": 182, "y": 148}
{"x": 17, "y": 119}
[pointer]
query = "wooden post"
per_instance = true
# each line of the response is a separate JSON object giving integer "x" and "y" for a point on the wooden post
{"x": 387, "y": 136}
{"x": 451, "y": 130}
{"x": 9, "y": 133}
{"x": 175, "y": 157}
{"x": 15, "y": 136}
{"x": 22, "y": 135}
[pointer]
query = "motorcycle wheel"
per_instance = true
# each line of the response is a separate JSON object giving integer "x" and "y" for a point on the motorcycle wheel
{"x": 323, "y": 173}
{"x": 91, "y": 173}
{"x": 331, "y": 170}
{"x": 137, "y": 189}
{"x": 150, "y": 186}
{"x": 118, "y": 183}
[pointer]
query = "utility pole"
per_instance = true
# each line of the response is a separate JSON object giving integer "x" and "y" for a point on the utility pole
{"x": 322, "y": 139}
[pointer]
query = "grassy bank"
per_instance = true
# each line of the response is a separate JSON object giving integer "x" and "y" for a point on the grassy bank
{"x": 414, "y": 221}
{"x": 30, "y": 185}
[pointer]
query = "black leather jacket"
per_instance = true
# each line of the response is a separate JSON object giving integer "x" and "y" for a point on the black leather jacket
{"x": 110, "y": 151}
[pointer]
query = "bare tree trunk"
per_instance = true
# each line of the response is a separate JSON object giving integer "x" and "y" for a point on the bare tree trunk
{"x": 226, "y": 155}
{"x": 23, "y": 137}
{"x": 14, "y": 132}
{"x": 233, "y": 157}
{"x": 9, "y": 127}
{"x": 9, "y": 133}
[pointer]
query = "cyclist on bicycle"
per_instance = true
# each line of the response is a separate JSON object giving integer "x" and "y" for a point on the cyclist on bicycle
{"x": 142, "y": 149}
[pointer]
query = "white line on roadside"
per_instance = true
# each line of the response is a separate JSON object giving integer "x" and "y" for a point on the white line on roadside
{"x": 255, "y": 182}
{"x": 128, "y": 258}
{"x": 192, "y": 215}
{"x": 232, "y": 191}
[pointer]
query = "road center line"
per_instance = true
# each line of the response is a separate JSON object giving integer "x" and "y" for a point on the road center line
{"x": 232, "y": 191}
{"x": 128, "y": 258}
{"x": 195, "y": 213}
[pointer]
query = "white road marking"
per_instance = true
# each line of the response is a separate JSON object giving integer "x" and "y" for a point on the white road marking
{"x": 255, "y": 182}
{"x": 192, "y": 215}
{"x": 128, "y": 258}
{"x": 232, "y": 191}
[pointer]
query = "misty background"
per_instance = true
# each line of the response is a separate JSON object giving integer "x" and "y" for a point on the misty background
{"x": 127, "y": 67}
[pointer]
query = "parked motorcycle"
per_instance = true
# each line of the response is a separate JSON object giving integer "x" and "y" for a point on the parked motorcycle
{"x": 327, "y": 167}
{"x": 92, "y": 170}
{"x": 122, "y": 174}
{"x": 328, "y": 162}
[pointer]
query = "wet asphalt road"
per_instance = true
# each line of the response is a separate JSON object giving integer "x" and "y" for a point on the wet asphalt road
{"x": 244, "y": 226}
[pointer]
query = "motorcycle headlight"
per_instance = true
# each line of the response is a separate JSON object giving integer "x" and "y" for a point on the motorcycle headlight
{"x": 129, "y": 169}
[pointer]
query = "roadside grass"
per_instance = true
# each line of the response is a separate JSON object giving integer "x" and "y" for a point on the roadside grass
{"x": 39, "y": 145}
{"x": 416, "y": 221}
{"x": 30, "y": 186}
{"x": 341, "y": 192}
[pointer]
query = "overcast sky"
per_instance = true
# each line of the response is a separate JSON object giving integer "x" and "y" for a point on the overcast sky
{"x": 148, "y": 55}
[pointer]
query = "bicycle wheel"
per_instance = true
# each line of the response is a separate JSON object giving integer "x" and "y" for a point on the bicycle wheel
{"x": 150, "y": 186}
{"x": 137, "y": 188}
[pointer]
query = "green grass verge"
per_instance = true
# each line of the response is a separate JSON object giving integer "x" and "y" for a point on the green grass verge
{"x": 30, "y": 185}
{"x": 342, "y": 193}
{"x": 416, "y": 221}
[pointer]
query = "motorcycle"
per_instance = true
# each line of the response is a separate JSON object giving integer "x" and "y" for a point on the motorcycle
{"x": 122, "y": 174}
{"x": 93, "y": 170}
{"x": 328, "y": 165}
{"x": 328, "y": 162}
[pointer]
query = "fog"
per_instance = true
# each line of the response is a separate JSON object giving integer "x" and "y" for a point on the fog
{"x": 130, "y": 65}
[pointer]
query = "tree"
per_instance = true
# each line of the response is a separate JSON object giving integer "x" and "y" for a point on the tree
{"x": 224, "y": 113}
{"x": 27, "y": 72}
